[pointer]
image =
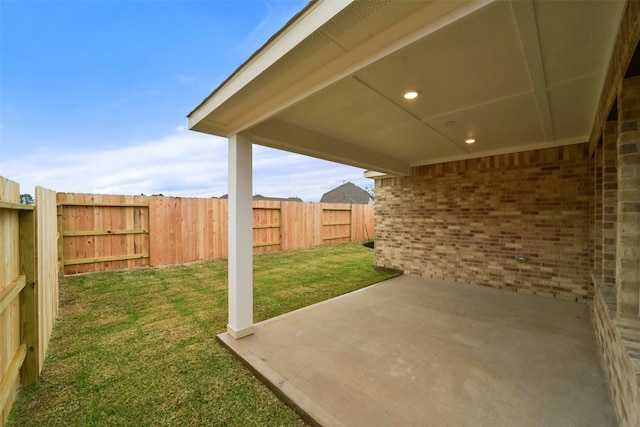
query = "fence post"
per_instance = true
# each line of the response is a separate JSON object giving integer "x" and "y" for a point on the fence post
{"x": 28, "y": 297}
{"x": 60, "y": 211}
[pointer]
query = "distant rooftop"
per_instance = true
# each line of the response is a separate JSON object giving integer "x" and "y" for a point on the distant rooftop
{"x": 347, "y": 193}
{"x": 277, "y": 199}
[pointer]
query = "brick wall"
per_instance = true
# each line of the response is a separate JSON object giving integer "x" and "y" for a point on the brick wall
{"x": 607, "y": 198}
{"x": 618, "y": 341}
{"x": 616, "y": 305}
{"x": 597, "y": 230}
{"x": 628, "y": 198}
{"x": 467, "y": 221}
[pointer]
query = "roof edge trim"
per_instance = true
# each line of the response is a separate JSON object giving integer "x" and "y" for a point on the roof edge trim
{"x": 304, "y": 23}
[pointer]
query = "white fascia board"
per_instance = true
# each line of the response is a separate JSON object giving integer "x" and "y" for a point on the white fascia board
{"x": 379, "y": 46}
{"x": 374, "y": 174}
{"x": 517, "y": 149}
{"x": 208, "y": 127}
{"x": 286, "y": 136}
{"x": 312, "y": 19}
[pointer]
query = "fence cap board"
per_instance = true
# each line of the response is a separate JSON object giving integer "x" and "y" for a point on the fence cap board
{"x": 106, "y": 205}
{"x": 16, "y": 206}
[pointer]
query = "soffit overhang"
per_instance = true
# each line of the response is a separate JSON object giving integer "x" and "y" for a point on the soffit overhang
{"x": 515, "y": 76}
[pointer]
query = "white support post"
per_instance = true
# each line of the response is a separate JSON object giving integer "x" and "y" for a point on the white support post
{"x": 240, "y": 238}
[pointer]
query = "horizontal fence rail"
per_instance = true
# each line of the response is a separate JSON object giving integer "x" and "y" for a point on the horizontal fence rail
{"x": 105, "y": 232}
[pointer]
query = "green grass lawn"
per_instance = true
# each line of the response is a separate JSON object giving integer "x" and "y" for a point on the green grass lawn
{"x": 137, "y": 347}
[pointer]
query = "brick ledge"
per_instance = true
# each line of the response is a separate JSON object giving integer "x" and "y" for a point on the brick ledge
{"x": 627, "y": 327}
{"x": 608, "y": 293}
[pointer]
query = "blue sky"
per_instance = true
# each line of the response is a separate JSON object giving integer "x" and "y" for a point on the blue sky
{"x": 94, "y": 97}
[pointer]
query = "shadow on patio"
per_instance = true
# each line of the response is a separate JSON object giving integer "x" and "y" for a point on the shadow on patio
{"x": 412, "y": 351}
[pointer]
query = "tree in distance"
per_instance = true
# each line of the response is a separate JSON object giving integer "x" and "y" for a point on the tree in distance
{"x": 27, "y": 199}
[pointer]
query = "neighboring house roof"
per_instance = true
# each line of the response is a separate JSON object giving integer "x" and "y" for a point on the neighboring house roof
{"x": 277, "y": 199}
{"x": 347, "y": 193}
{"x": 515, "y": 75}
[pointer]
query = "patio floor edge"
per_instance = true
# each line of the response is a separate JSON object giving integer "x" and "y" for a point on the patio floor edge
{"x": 289, "y": 394}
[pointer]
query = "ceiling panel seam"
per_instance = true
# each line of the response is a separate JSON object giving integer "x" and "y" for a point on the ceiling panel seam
{"x": 525, "y": 20}
{"x": 410, "y": 114}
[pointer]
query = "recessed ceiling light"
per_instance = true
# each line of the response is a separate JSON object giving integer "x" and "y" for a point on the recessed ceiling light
{"x": 470, "y": 140}
{"x": 412, "y": 94}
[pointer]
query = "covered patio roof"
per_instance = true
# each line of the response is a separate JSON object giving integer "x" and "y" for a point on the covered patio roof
{"x": 513, "y": 75}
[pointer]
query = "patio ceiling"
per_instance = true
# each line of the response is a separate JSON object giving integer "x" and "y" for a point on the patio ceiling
{"x": 514, "y": 75}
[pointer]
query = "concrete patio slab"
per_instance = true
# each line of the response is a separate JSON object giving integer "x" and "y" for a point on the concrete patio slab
{"x": 418, "y": 352}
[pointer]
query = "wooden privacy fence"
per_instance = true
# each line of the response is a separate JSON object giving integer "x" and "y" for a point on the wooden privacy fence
{"x": 102, "y": 232}
{"x": 111, "y": 232}
{"x": 28, "y": 287}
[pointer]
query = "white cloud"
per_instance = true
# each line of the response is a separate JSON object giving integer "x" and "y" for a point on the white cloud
{"x": 282, "y": 174}
{"x": 185, "y": 164}
{"x": 169, "y": 165}
{"x": 184, "y": 78}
